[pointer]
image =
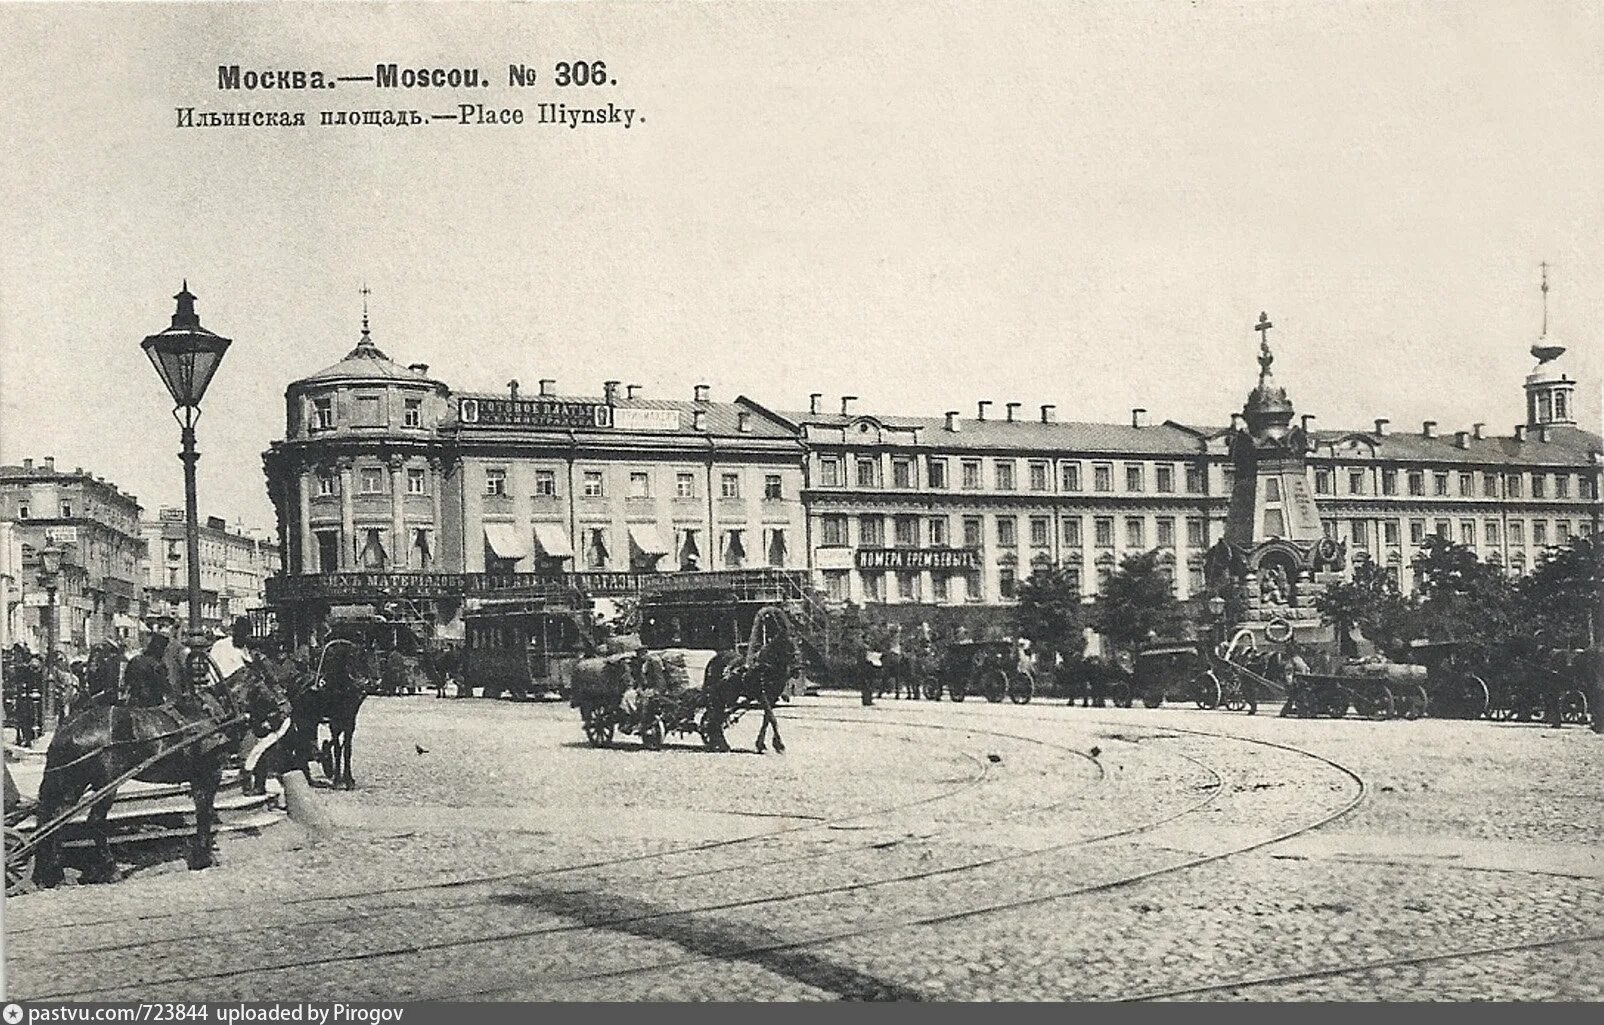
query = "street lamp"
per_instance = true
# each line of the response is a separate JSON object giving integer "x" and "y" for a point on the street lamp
{"x": 186, "y": 356}
{"x": 49, "y": 578}
{"x": 1217, "y": 614}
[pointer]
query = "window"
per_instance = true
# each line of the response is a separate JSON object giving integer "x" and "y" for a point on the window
{"x": 1389, "y": 482}
{"x": 1443, "y": 529}
{"x": 1417, "y": 483}
{"x": 1040, "y": 526}
{"x": 772, "y": 487}
{"x": 412, "y": 415}
{"x": 1562, "y": 531}
{"x": 872, "y": 531}
{"x": 367, "y": 411}
{"x": 1490, "y": 533}
{"x": 829, "y": 473}
{"x": 1166, "y": 531}
{"x": 874, "y": 585}
{"x": 417, "y": 481}
{"x": 546, "y": 483}
{"x": 776, "y": 547}
{"x": 1102, "y": 477}
{"x": 1272, "y": 490}
{"x": 326, "y": 484}
{"x": 1005, "y": 475}
{"x": 938, "y": 532}
{"x": 328, "y": 551}
{"x": 902, "y": 472}
{"x": 971, "y": 474}
{"x": 1070, "y": 526}
{"x": 1194, "y": 532}
{"x": 936, "y": 472}
{"x": 640, "y": 484}
{"x": 689, "y": 548}
{"x": 1584, "y": 528}
{"x": 1069, "y": 477}
{"x": 1135, "y": 479}
{"x": 684, "y": 484}
{"x": 1322, "y": 482}
{"x": 868, "y": 473}
{"x": 591, "y": 484}
{"x": 1135, "y": 532}
{"x": 972, "y": 533}
{"x": 1359, "y": 531}
{"x": 66, "y": 510}
{"x": 729, "y": 485}
{"x": 1467, "y": 485}
{"x": 1539, "y": 532}
{"x": 1440, "y": 485}
{"x": 907, "y": 587}
{"x": 833, "y": 530}
{"x": 323, "y": 414}
{"x": 1539, "y": 485}
{"x": 1038, "y": 477}
{"x": 1072, "y": 578}
{"x": 1328, "y": 528}
{"x": 938, "y": 587}
{"x": 373, "y": 481}
{"x": 22, "y": 511}
{"x": 1194, "y": 579}
{"x": 835, "y": 584}
{"x": 1007, "y": 532}
{"x": 372, "y": 555}
{"x": 1417, "y": 532}
{"x": 422, "y": 551}
{"x": 905, "y": 531}
{"x": 1007, "y": 582}
{"x": 1356, "y": 482}
{"x": 1194, "y": 480}
{"x": 1489, "y": 485}
{"x": 1164, "y": 478}
{"x": 1517, "y": 532}
{"x": 1389, "y": 532}
{"x": 1512, "y": 486}
{"x": 1103, "y": 532}
{"x": 596, "y": 547}
{"x": 1562, "y": 485}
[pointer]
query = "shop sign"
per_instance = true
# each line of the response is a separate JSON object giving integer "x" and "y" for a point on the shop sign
{"x": 533, "y": 413}
{"x": 918, "y": 558}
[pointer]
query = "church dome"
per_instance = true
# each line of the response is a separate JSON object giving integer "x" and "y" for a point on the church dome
{"x": 366, "y": 362}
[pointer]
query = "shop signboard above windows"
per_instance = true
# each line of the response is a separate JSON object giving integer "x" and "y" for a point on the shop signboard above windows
{"x": 917, "y": 558}
{"x": 558, "y": 413}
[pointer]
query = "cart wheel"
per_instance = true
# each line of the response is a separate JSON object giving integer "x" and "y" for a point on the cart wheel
{"x": 19, "y": 862}
{"x": 1335, "y": 703}
{"x": 1379, "y": 704}
{"x": 959, "y": 690}
{"x": 993, "y": 684}
{"x": 932, "y": 690}
{"x": 1573, "y": 707}
{"x": 1151, "y": 698}
{"x": 1021, "y": 686}
{"x": 1235, "y": 702}
{"x": 598, "y": 730}
{"x": 1475, "y": 700}
{"x": 651, "y": 733}
{"x": 1536, "y": 709}
{"x": 1502, "y": 710}
{"x": 1120, "y": 695}
{"x": 1206, "y": 690}
{"x": 1412, "y": 703}
{"x": 712, "y": 732}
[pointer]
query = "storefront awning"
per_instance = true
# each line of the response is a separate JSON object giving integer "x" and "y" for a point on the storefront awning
{"x": 504, "y": 541}
{"x": 552, "y": 541}
{"x": 648, "y": 539}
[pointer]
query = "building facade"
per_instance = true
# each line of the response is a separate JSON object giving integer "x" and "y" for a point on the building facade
{"x": 99, "y": 596}
{"x": 235, "y": 563}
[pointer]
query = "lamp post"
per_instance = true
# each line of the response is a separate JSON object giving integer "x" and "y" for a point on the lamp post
{"x": 186, "y": 356}
{"x": 1217, "y": 615}
{"x": 49, "y": 578}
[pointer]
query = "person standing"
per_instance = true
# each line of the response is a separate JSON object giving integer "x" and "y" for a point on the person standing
{"x": 232, "y": 653}
{"x": 146, "y": 675}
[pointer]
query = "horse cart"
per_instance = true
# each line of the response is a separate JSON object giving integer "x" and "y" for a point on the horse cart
{"x": 1374, "y": 689}
{"x": 648, "y": 698}
{"x": 987, "y": 668}
{"x": 1531, "y": 687}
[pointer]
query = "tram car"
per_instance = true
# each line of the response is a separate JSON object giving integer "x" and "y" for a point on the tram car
{"x": 402, "y": 646}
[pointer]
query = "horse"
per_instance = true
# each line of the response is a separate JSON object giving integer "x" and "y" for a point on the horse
{"x": 336, "y": 686}
{"x": 751, "y": 677}
{"x": 100, "y": 744}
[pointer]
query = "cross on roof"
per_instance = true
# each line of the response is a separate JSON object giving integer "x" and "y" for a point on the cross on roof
{"x": 1263, "y": 328}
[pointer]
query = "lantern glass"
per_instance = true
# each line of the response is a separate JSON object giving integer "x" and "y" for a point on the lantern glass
{"x": 1216, "y": 606}
{"x": 186, "y": 362}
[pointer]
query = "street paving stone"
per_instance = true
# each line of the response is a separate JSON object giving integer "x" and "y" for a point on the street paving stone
{"x": 510, "y": 860}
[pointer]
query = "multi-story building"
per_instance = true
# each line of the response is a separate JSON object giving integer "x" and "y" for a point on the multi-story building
{"x": 96, "y": 525}
{"x": 235, "y": 563}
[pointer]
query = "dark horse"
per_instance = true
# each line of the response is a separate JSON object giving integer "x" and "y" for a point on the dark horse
{"x": 340, "y": 678}
{"x": 752, "y": 676}
{"x": 95, "y": 747}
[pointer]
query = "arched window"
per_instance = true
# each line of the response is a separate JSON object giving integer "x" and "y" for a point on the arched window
{"x": 1559, "y": 406}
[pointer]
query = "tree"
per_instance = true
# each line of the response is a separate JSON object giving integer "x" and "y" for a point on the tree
{"x": 1138, "y": 601}
{"x": 1565, "y": 594}
{"x": 1370, "y": 602}
{"x": 1463, "y": 598}
{"x": 1049, "y": 612}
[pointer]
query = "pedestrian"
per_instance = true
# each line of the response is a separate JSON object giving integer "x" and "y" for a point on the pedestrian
{"x": 146, "y": 676}
{"x": 232, "y": 653}
{"x": 1293, "y": 667}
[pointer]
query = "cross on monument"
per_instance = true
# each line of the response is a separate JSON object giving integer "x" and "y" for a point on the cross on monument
{"x": 1263, "y": 328}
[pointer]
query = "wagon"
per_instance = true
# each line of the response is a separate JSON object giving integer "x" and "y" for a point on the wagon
{"x": 1186, "y": 671}
{"x": 608, "y": 705}
{"x": 987, "y": 668}
{"x": 1456, "y": 689}
{"x": 1375, "y": 690}
{"x": 1529, "y": 690}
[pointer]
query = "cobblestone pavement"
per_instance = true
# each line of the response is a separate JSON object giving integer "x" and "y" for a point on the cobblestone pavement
{"x": 906, "y": 851}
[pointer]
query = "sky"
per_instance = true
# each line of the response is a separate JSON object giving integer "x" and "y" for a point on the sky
{"x": 919, "y": 204}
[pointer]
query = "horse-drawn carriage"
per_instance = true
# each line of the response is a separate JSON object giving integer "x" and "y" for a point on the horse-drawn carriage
{"x": 1375, "y": 689}
{"x": 988, "y": 668}
{"x": 1531, "y": 687}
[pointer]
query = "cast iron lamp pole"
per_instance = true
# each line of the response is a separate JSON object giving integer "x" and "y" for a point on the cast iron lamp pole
{"x": 186, "y": 356}
{"x": 50, "y": 577}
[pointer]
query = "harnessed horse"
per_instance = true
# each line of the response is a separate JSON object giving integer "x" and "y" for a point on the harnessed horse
{"x": 752, "y": 678}
{"x": 344, "y": 675}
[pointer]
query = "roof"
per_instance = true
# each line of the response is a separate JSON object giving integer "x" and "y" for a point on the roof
{"x": 1567, "y": 445}
{"x": 1029, "y": 435}
{"x": 723, "y": 418}
{"x": 366, "y": 361}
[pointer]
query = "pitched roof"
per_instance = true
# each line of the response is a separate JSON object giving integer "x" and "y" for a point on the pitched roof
{"x": 1029, "y": 435}
{"x": 365, "y": 361}
{"x": 1567, "y": 445}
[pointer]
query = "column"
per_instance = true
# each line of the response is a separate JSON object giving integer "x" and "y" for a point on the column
{"x": 306, "y": 480}
{"x": 437, "y": 487}
{"x": 347, "y": 515}
{"x": 400, "y": 548}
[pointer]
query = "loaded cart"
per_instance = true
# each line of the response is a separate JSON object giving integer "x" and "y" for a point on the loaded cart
{"x": 648, "y": 698}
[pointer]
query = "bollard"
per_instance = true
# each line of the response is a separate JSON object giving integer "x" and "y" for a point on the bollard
{"x": 302, "y": 805}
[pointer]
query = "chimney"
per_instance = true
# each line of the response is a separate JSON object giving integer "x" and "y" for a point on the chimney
{"x": 610, "y": 391}
{"x": 1542, "y": 432}
{"x": 1049, "y": 413}
{"x": 27, "y": 464}
{"x": 981, "y": 407}
{"x": 846, "y": 403}
{"x": 743, "y": 421}
{"x": 952, "y": 420}
{"x": 50, "y": 464}
{"x": 1305, "y": 420}
{"x": 1462, "y": 439}
{"x": 1011, "y": 407}
{"x": 632, "y": 391}
{"x": 1476, "y": 431}
{"x": 1381, "y": 427}
{"x": 1138, "y": 417}
{"x": 548, "y": 387}
{"x": 699, "y": 420}
{"x": 512, "y": 387}
{"x": 1236, "y": 421}
{"x": 702, "y": 391}
{"x": 1428, "y": 429}
{"x": 1520, "y": 432}
{"x": 813, "y": 402}
{"x": 421, "y": 369}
